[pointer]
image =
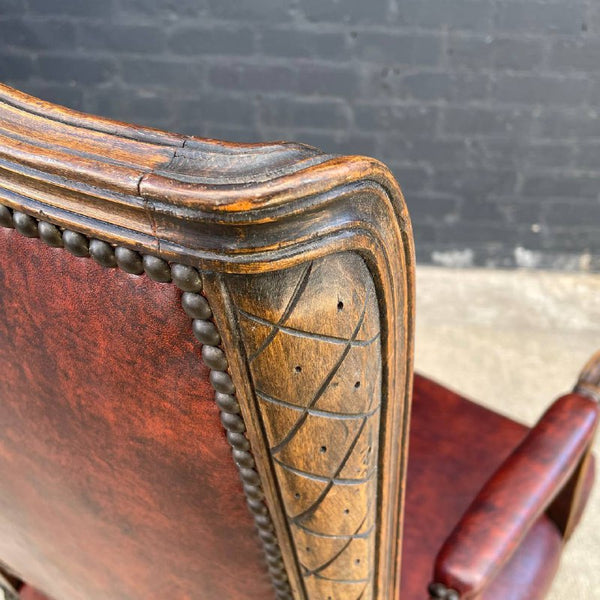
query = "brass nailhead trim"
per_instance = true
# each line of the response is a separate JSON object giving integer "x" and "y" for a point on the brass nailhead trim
{"x": 103, "y": 253}
{"x": 129, "y": 260}
{"x": 197, "y": 308}
{"x": 50, "y": 234}
{"x": 76, "y": 243}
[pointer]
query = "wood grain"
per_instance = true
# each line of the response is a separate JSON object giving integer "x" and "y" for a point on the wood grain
{"x": 311, "y": 338}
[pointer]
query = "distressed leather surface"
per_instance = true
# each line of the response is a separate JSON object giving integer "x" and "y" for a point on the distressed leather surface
{"x": 116, "y": 480}
{"x": 455, "y": 446}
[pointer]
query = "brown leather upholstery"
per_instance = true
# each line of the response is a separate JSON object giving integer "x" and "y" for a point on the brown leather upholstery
{"x": 455, "y": 446}
{"x": 117, "y": 480}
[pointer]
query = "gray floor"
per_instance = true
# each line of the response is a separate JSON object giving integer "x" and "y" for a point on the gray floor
{"x": 514, "y": 340}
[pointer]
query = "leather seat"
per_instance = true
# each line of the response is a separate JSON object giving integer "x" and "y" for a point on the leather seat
{"x": 442, "y": 484}
{"x": 447, "y": 466}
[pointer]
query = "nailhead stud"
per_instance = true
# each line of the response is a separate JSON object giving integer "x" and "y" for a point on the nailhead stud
{"x": 440, "y": 592}
{"x": 437, "y": 590}
{"x": 227, "y": 403}
{"x": 214, "y": 358}
{"x": 195, "y": 306}
{"x": 257, "y": 507}
{"x": 50, "y": 234}
{"x": 103, "y": 253}
{"x": 186, "y": 278}
{"x": 25, "y": 225}
{"x": 232, "y": 422}
{"x": 6, "y": 217}
{"x": 129, "y": 261}
{"x": 76, "y": 243}
{"x": 222, "y": 382}
{"x": 206, "y": 332}
{"x": 238, "y": 441}
{"x": 157, "y": 269}
{"x": 243, "y": 459}
{"x": 254, "y": 492}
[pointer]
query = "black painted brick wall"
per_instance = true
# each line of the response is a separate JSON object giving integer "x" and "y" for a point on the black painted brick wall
{"x": 487, "y": 111}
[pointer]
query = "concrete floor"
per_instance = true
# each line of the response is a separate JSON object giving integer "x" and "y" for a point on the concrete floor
{"x": 514, "y": 341}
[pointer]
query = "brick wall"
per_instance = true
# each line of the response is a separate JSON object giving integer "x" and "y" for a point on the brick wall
{"x": 487, "y": 111}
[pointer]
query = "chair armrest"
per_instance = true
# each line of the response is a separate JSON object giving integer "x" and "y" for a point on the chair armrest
{"x": 514, "y": 498}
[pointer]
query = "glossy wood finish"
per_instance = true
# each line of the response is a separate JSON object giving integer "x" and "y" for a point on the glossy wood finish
{"x": 212, "y": 201}
{"x": 228, "y": 209}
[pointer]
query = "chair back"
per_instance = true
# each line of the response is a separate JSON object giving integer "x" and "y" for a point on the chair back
{"x": 207, "y": 364}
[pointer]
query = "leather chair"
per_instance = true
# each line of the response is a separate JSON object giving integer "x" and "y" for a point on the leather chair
{"x": 207, "y": 382}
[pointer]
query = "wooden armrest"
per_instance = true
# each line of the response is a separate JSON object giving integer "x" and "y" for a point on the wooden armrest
{"x": 514, "y": 498}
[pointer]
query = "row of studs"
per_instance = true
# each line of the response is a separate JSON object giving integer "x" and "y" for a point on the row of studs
{"x": 197, "y": 308}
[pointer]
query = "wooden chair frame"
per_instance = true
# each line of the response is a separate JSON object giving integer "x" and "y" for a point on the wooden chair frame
{"x": 234, "y": 212}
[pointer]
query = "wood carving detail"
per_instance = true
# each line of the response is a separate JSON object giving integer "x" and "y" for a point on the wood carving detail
{"x": 312, "y": 342}
{"x": 253, "y": 217}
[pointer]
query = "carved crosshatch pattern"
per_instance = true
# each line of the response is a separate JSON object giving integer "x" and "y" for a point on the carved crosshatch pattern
{"x": 311, "y": 336}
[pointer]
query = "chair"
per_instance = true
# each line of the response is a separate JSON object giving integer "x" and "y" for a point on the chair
{"x": 207, "y": 383}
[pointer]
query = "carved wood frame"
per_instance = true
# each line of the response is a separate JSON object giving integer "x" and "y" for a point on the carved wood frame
{"x": 230, "y": 209}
